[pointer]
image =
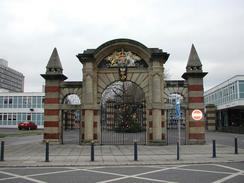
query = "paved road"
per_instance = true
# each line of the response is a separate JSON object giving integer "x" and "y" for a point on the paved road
{"x": 191, "y": 173}
{"x": 72, "y": 136}
{"x": 225, "y": 138}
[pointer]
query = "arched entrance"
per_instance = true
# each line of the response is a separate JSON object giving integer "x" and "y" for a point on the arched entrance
{"x": 172, "y": 120}
{"x": 176, "y": 90}
{"x": 123, "y": 114}
{"x": 70, "y": 119}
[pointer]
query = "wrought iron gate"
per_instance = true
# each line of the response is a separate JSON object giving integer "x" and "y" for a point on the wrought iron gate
{"x": 172, "y": 126}
{"x": 123, "y": 122}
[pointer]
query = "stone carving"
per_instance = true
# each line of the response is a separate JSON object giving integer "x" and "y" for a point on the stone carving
{"x": 122, "y": 59}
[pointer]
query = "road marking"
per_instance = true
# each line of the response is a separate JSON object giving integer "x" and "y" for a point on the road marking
{"x": 8, "y": 178}
{"x": 140, "y": 174}
{"x": 239, "y": 172}
{"x": 228, "y": 167}
{"x": 97, "y": 171}
{"x": 22, "y": 177}
{"x": 206, "y": 171}
{"x": 229, "y": 177}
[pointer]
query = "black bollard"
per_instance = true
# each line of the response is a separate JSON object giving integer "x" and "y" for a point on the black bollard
{"x": 214, "y": 149}
{"x": 92, "y": 151}
{"x": 135, "y": 151}
{"x": 178, "y": 150}
{"x": 47, "y": 152}
{"x": 2, "y": 151}
{"x": 236, "y": 146}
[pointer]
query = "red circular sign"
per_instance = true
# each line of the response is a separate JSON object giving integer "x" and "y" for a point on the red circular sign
{"x": 196, "y": 114}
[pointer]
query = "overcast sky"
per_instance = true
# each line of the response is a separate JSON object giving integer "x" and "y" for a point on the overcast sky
{"x": 30, "y": 29}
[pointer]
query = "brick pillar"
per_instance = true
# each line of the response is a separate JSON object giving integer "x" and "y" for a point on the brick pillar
{"x": 211, "y": 117}
{"x": 194, "y": 77}
{"x": 51, "y": 111}
{"x": 195, "y": 101}
{"x": 96, "y": 120}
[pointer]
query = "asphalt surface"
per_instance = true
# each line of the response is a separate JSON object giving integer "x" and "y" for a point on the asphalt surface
{"x": 216, "y": 172}
{"x": 190, "y": 173}
{"x": 225, "y": 138}
{"x": 71, "y": 137}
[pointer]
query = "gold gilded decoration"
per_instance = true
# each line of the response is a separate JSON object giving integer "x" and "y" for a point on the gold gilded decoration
{"x": 123, "y": 73}
{"x": 122, "y": 58}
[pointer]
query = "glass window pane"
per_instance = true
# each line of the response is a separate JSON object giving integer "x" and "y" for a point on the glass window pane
{"x": 1, "y": 102}
{"x": 15, "y": 102}
{"x": 20, "y": 101}
{"x": 242, "y": 95}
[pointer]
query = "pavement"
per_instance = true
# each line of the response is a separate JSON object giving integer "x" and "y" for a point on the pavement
{"x": 32, "y": 154}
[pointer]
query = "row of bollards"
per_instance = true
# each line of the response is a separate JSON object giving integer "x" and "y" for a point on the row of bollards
{"x": 135, "y": 150}
{"x": 214, "y": 148}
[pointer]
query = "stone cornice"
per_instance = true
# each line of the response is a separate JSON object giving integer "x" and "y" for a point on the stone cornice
{"x": 60, "y": 77}
{"x": 187, "y": 75}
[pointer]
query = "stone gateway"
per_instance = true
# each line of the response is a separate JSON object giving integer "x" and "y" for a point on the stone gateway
{"x": 124, "y": 96}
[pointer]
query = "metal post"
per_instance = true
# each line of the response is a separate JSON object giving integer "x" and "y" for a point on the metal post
{"x": 178, "y": 150}
{"x": 92, "y": 151}
{"x": 236, "y": 146}
{"x": 2, "y": 151}
{"x": 135, "y": 151}
{"x": 179, "y": 131}
{"x": 214, "y": 149}
{"x": 47, "y": 152}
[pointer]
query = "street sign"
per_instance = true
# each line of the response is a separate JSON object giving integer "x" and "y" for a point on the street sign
{"x": 196, "y": 114}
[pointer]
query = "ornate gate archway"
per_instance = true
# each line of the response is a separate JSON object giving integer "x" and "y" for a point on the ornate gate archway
{"x": 122, "y": 60}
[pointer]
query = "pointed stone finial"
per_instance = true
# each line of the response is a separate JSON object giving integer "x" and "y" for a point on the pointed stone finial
{"x": 54, "y": 65}
{"x": 194, "y": 64}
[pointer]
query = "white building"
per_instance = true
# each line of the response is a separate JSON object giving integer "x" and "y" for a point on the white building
{"x": 18, "y": 107}
{"x": 228, "y": 97}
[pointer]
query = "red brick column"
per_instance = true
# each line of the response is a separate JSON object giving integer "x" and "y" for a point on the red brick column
{"x": 211, "y": 117}
{"x": 51, "y": 112}
{"x": 195, "y": 101}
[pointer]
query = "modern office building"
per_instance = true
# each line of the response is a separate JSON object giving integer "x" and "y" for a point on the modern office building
{"x": 18, "y": 107}
{"x": 10, "y": 79}
{"x": 228, "y": 97}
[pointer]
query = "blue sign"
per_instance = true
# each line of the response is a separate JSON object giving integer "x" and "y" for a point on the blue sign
{"x": 177, "y": 108}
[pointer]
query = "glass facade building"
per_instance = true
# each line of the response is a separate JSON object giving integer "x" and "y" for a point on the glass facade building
{"x": 19, "y": 107}
{"x": 228, "y": 97}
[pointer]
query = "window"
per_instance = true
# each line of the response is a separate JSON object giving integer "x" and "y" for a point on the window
{"x": 23, "y": 117}
{"x": 10, "y": 101}
{"x": 15, "y": 102}
{"x": 24, "y": 102}
{"x": 28, "y": 116}
{"x": 39, "y": 102}
{"x": 9, "y": 117}
{"x": 34, "y": 101}
{"x": 5, "y": 116}
{"x": 28, "y": 102}
{"x": 1, "y": 102}
{"x": 5, "y": 101}
{"x": 20, "y": 100}
{"x": 19, "y": 119}
{"x": 241, "y": 89}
